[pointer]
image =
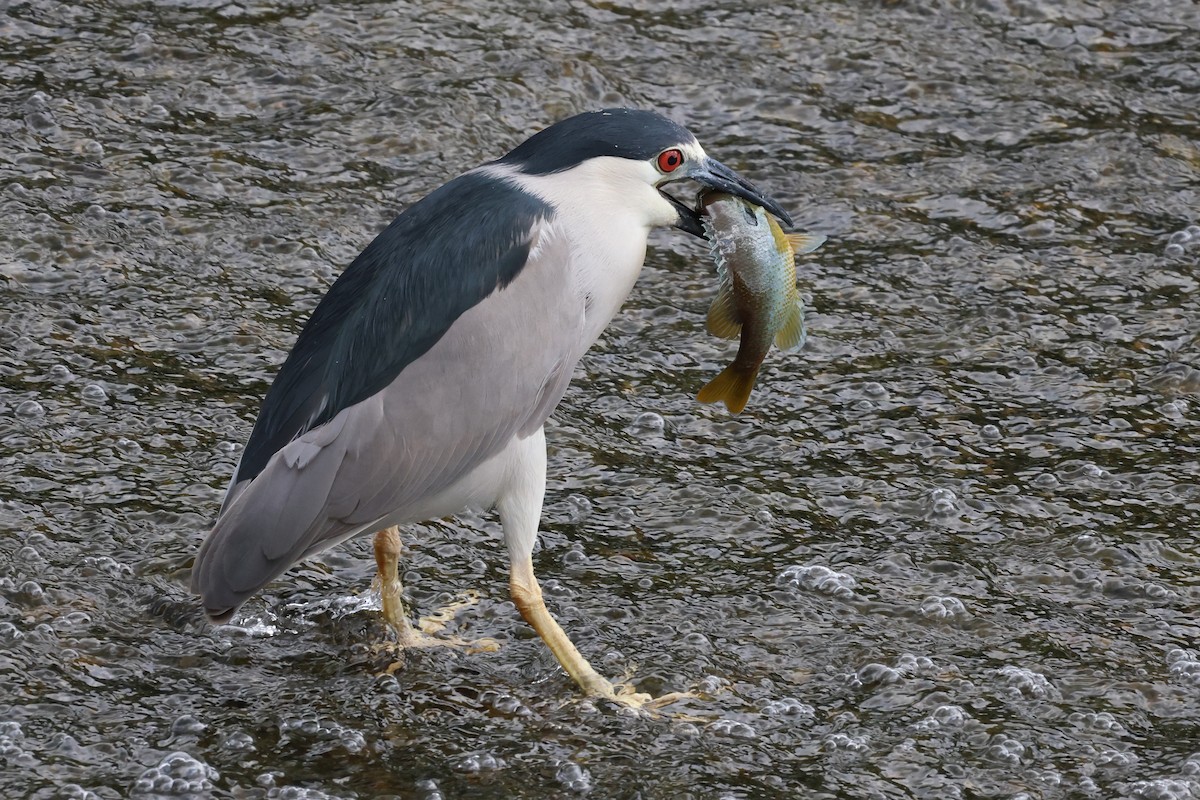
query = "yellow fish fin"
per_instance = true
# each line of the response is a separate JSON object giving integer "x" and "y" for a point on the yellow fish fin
{"x": 792, "y": 334}
{"x": 805, "y": 242}
{"x": 722, "y": 319}
{"x": 732, "y": 387}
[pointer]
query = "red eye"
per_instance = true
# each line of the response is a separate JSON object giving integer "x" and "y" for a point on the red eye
{"x": 670, "y": 160}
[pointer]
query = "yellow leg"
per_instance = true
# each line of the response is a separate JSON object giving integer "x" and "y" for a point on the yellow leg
{"x": 387, "y": 564}
{"x": 520, "y": 507}
{"x": 387, "y": 576}
{"x": 527, "y": 596}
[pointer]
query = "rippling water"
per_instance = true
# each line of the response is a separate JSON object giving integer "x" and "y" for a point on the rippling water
{"x": 950, "y": 551}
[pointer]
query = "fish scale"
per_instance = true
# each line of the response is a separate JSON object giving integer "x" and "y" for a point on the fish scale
{"x": 757, "y": 299}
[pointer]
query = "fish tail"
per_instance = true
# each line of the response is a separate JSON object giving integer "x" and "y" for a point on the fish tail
{"x": 732, "y": 387}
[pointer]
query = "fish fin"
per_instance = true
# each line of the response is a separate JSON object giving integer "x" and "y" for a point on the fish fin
{"x": 792, "y": 334}
{"x": 722, "y": 319}
{"x": 732, "y": 387}
{"x": 805, "y": 242}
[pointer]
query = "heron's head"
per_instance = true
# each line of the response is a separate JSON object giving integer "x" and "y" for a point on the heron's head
{"x": 629, "y": 157}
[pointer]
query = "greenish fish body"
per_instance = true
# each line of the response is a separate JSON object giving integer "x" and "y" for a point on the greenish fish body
{"x": 757, "y": 299}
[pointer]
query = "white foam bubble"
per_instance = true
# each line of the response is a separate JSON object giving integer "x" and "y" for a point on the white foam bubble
{"x": 187, "y": 725}
{"x": 238, "y": 742}
{"x": 430, "y": 790}
{"x": 299, "y": 793}
{"x": 1100, "y": 721}
{"x": 178, "y": 774}
{"x": 942, "y": 502}
{"x": 789, "y": 707}
{"x": 733, "y": 729}
{"x": 818, "y": 578}
{"x": 475, "y": 763}
{"x": 1119, "y": 759}
{"x": 574, "y": 777}
{"x": 30, "y": 409}
{"x": 11, "y": 739}
{"x": 1184, "y": 666}
{"x": 846, "y": 742}
{"x": 947, "y": 716}
{"x": 936, "y": 607}
{"x": 505, "y": 704}
{"x": 579, "y": 508}
{"x": 1163, "y": 789}
{"x": 647, "y": 423}
{"x": 1026, "y": 683}
{"x": 94, "y": 393}
{"x": 1182, "y": 241}
{"x": 1004, "y": 749}
{"x": 876, "y": 675}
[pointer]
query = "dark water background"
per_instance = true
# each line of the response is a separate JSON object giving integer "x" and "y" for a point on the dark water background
{"x": 950, "y": 551}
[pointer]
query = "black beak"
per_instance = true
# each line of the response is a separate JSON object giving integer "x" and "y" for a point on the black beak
{"x": 721, "y": 178}
{"x": 689, "y": 220}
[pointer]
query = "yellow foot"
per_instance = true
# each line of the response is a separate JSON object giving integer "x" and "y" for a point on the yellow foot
{"x": 623, "y": 693}
{"x": 640, "y": 701}
{"x": 437, "y": 621}
{"x": 419, "y": 640}
{"x": 426, "y": 633}
{"x": 429, "y": 627}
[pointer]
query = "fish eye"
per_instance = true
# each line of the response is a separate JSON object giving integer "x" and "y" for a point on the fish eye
{"x": 670, "y": 160}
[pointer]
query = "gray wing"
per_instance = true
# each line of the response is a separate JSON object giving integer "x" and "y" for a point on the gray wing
{"x": 497, "y": 373}
{"x": 441, "y": 256}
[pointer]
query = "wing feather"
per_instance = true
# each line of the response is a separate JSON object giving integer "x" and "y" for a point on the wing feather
{"x": 496, "y": 373}
{"x": 394, "y": 302}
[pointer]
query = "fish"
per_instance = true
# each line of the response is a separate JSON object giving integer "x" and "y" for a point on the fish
{"x": 757, "y": 297}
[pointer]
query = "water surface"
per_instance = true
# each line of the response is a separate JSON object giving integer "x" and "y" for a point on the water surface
{"x": 949, "y": 551}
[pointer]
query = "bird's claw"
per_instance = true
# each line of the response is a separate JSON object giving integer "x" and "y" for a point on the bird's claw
{"x": 428, "y": 633}
{"x": 418, "y": 640}
{"x": 640, "y": 701}
{"x": 626, "y": 695}
{"x": 437, "y": 621}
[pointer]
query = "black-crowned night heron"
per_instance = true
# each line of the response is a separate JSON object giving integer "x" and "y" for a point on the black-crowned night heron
{"x": 420, "y": 385}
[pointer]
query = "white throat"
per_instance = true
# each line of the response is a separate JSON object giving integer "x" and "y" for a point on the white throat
{"x": 604, "y": 208}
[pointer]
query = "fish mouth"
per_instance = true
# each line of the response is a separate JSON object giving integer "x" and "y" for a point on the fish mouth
{"x": 716, "y": 177}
